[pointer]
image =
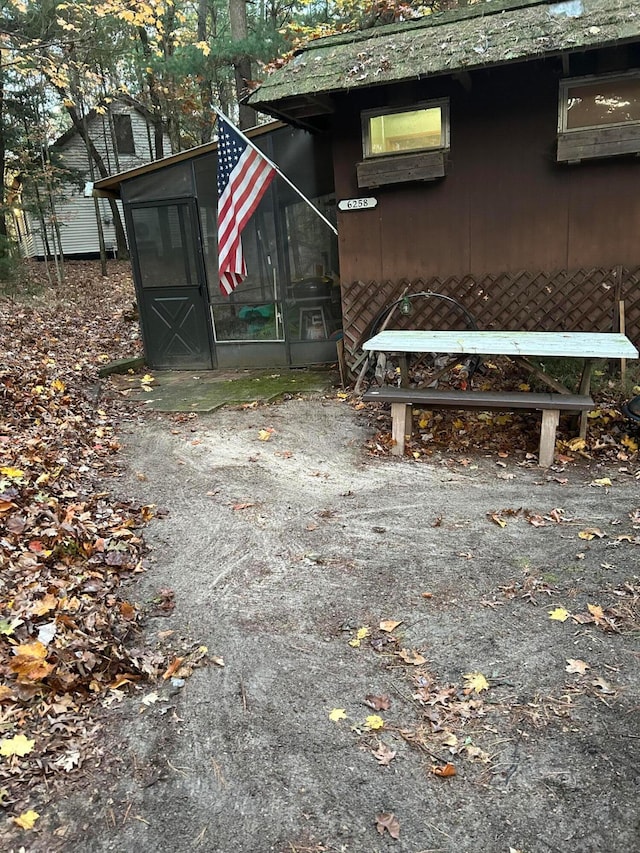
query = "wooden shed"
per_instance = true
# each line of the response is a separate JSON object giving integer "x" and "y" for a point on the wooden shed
{"x": 287, "y": 310}
{"x": 489, "y": 153}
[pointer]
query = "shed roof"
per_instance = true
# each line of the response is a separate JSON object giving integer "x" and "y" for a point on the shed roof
{"x": 487, "y": 34}
{"x": 110, "y": 186}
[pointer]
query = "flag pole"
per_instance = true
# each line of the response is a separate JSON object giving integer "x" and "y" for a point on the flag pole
{"x": 220, "y": 114}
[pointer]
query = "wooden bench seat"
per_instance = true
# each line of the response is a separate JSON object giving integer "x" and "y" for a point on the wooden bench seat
{"x": 402, "y": 399}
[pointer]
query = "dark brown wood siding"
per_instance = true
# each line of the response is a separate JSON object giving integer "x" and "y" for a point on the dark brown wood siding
{"x": 505, "y": 204}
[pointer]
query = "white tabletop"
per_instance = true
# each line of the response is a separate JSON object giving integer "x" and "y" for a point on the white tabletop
{"x": 560, "y": 344}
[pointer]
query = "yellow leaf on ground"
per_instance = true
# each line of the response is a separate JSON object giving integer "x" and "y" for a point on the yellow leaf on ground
{"x": 16, "y": 745}
{"x": 12, "y": 473}
{"x": 591, "y": 533}
{"x": 603, "y": 481}
{"x": 58, "y": 385}
{"x": 26, "y": 820}
{"x": 34, "y": 650}
{"x": 476, "y": 682}
{"x": 559, "y": 614}
{"x": 44, "y": 605}
{"x": 577, "y": 444}
{"x": 630, "y": 443}
{"x": 147, "y": 379}
{"x": 265, "y": 434}
{"x": 360, "y": 635}
{"x": 389, "y": 625}
{"x": 337, "y": 714}
{"x": 374, "y": 722}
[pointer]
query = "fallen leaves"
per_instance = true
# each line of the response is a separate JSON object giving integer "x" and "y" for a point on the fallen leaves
{"x": 411, "y": 657}
{"x": 603, "y": 686}
{"x": 475, "y": 682}
{"x": 374, "y": 722}
{"x": 445, "y": 771}
{"x": 387, "y": 821}
{"x": 16, "y": 745}
{"x": 590, "y": 533}
{"x": 361, "y": 634}
{"x": 26, "y": 820}
{"x": 384, "y": 755}
{"x": 576, "y": 666}
{"x": 337, "y": 714}
{"x": 66, "y": 633}
{"x": 378, "y": 703}
{"x": 559, "y": 614}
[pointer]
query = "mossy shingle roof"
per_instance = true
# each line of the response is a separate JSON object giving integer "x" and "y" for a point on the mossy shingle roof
{"x": 490, "y": 33}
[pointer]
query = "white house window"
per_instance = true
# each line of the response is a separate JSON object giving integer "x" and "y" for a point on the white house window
{"x": 422, "y": 128}
{"x": 599, "y": 117}
{"x": 124, "y": 133}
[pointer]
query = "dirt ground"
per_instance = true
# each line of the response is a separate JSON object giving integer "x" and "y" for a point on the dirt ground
{"x": 280, "y": 554}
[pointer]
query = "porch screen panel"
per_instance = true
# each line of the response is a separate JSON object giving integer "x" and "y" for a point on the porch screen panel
{"x": 165, "y": 248}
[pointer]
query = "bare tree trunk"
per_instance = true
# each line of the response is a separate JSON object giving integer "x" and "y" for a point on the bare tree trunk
{"x": 242, "y": 64}
{"x": 154, "y": 96}
{"x": 56, "y": 236}
{"x": 206, "y": 88}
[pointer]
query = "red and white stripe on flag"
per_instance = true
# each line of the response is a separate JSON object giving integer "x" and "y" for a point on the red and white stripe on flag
{"x": 243, "y": 178}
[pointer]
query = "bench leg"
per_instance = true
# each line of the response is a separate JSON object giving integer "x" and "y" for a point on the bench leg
{"x": 550, "y": 419}
{"x": 401, "y": 426}
{"x": 585, "y": 388}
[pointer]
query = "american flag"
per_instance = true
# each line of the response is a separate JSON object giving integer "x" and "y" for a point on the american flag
{"x": 243, "y": 178}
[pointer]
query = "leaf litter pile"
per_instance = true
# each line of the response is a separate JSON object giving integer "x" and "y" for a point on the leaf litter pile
{"x": 67, "y": 631}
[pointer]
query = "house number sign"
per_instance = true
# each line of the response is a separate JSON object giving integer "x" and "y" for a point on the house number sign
{"x": 357, "y": 203}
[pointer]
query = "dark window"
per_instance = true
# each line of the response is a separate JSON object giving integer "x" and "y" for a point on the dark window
{"x": 599, "y": 117}
{"x": 124, "y": 134}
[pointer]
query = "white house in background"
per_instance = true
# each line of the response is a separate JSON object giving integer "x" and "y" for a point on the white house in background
{"x": 124, "y": 136}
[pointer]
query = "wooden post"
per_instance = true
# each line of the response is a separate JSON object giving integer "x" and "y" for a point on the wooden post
{"x": 342, "y": 367}
{"x": 400, "y": 426}
{"x": 550, "y": 419}
{"x": 585, "y": 388}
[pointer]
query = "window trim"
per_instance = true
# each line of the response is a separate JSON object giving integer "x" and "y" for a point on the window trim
{"x": 563, "y": 100}
{"x": 365, "y": 115}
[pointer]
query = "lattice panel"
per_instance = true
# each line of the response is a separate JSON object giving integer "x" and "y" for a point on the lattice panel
{"x": 578, "y": 300}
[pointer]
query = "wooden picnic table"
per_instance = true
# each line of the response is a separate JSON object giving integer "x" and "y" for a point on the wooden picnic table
{"x": 590, "y": 347}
